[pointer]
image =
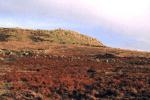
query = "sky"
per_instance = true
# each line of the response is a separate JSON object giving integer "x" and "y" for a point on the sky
{"x": 116, "y": 23}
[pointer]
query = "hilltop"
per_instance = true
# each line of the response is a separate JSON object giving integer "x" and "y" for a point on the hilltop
{"x": 58, "y": 36}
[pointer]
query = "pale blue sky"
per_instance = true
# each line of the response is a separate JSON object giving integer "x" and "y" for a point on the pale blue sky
{"x": 117, "y": 23}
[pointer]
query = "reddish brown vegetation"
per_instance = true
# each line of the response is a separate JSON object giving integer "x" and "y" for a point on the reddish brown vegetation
{"x": 57, "y": 77}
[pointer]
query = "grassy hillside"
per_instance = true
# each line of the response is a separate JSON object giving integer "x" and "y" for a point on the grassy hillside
{"x": 57, "y": 42}
{"x": 59, "y": 36}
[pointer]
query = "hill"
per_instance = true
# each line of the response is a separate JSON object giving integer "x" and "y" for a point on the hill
{"x": 59, "y": 42}
{"x": 58, "y": 36}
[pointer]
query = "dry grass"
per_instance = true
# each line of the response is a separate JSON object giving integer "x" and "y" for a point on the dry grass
{"x": 59, "y": 36}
